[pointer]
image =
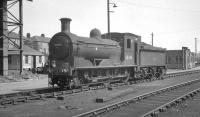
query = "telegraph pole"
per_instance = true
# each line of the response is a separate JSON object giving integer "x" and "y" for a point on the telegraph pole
{"x": 195, "y": 48}
{"x": 152, "y": 38}
{"x": 195, "y": 45}
{"x": 108, "y": 16}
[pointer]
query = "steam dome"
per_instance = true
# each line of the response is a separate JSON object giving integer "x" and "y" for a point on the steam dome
{"x": 95, "y": 33}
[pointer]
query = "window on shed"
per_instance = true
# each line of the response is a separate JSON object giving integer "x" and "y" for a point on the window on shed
{"x": 40, "y": 59}
{"x": 26, "y": 59}
{"x": 128, "y": 43}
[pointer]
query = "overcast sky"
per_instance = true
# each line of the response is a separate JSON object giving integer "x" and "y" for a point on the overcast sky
{"x": 175, "y": 23}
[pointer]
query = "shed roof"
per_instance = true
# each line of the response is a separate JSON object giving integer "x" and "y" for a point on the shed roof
{"x": 150, "y": 47}
{"x": 40, "y": 39}
{"x": 26, "y": 51}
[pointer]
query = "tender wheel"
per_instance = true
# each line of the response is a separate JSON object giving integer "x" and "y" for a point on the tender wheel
{"x": 157, "y": 75}
{"x": 61, "y": 83}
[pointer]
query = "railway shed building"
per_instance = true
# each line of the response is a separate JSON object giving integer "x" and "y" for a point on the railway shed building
{"x": 180, "y": 59}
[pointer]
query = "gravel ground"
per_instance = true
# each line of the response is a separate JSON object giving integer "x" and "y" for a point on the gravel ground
{"x": 28, "y": 80}
{"x": 15, "y": 77}
{"x": 179, "y": 70}
{"x": 189, "y": 108}
{"x": 72, "y": 105}
{"x": 16, "y": 83}
{"x": 6, "y": 88}
{"x": 79, "y": 103}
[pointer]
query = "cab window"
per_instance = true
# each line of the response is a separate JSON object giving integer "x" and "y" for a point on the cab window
{"x": 128, "y": 43}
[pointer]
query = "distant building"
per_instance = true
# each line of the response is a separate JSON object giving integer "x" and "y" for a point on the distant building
{"x": 180, "y": 59}
{"x": 31, "y": 57}
{"x": 41, "y": 44}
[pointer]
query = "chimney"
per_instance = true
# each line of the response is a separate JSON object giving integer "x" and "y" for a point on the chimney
{"x": 28, "y": 35}
{"x": 65, "y": 24}
{"x": 42, "y": 35}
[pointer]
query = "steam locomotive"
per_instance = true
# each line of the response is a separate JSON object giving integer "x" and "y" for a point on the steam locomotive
{"x": 76, "y": 60}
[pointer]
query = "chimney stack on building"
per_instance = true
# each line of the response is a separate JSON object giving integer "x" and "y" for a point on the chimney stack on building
{"x": 42, "y": 35}
{"x": 65, "y": 25}
{"x": 28, "y": 35}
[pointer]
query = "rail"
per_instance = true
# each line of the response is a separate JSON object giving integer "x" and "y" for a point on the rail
{"x": 42, "y": 93}
{"x": 111, "y": 107}
{"x": 164, "y": 107}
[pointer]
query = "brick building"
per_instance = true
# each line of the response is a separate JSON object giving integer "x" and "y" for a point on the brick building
{"x": 180, "y": 59}
{"x": 39, "y": 43}
{"x": 31, "y": 57}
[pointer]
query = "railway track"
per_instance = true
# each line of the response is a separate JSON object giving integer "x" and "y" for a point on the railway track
{"x": 174, "y": 102}
{"x": 189, "y": 108}
{"x": 149, "y": 104}
{"x": 41, "y": 93}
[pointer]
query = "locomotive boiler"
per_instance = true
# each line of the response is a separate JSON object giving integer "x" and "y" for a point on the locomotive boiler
{"x": 76, "y": 60}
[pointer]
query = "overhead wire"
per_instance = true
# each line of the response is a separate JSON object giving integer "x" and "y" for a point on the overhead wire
{"x": 158, "y": 7}
{"x": 179, "y": 31}
{"x": 164, "y": 8}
